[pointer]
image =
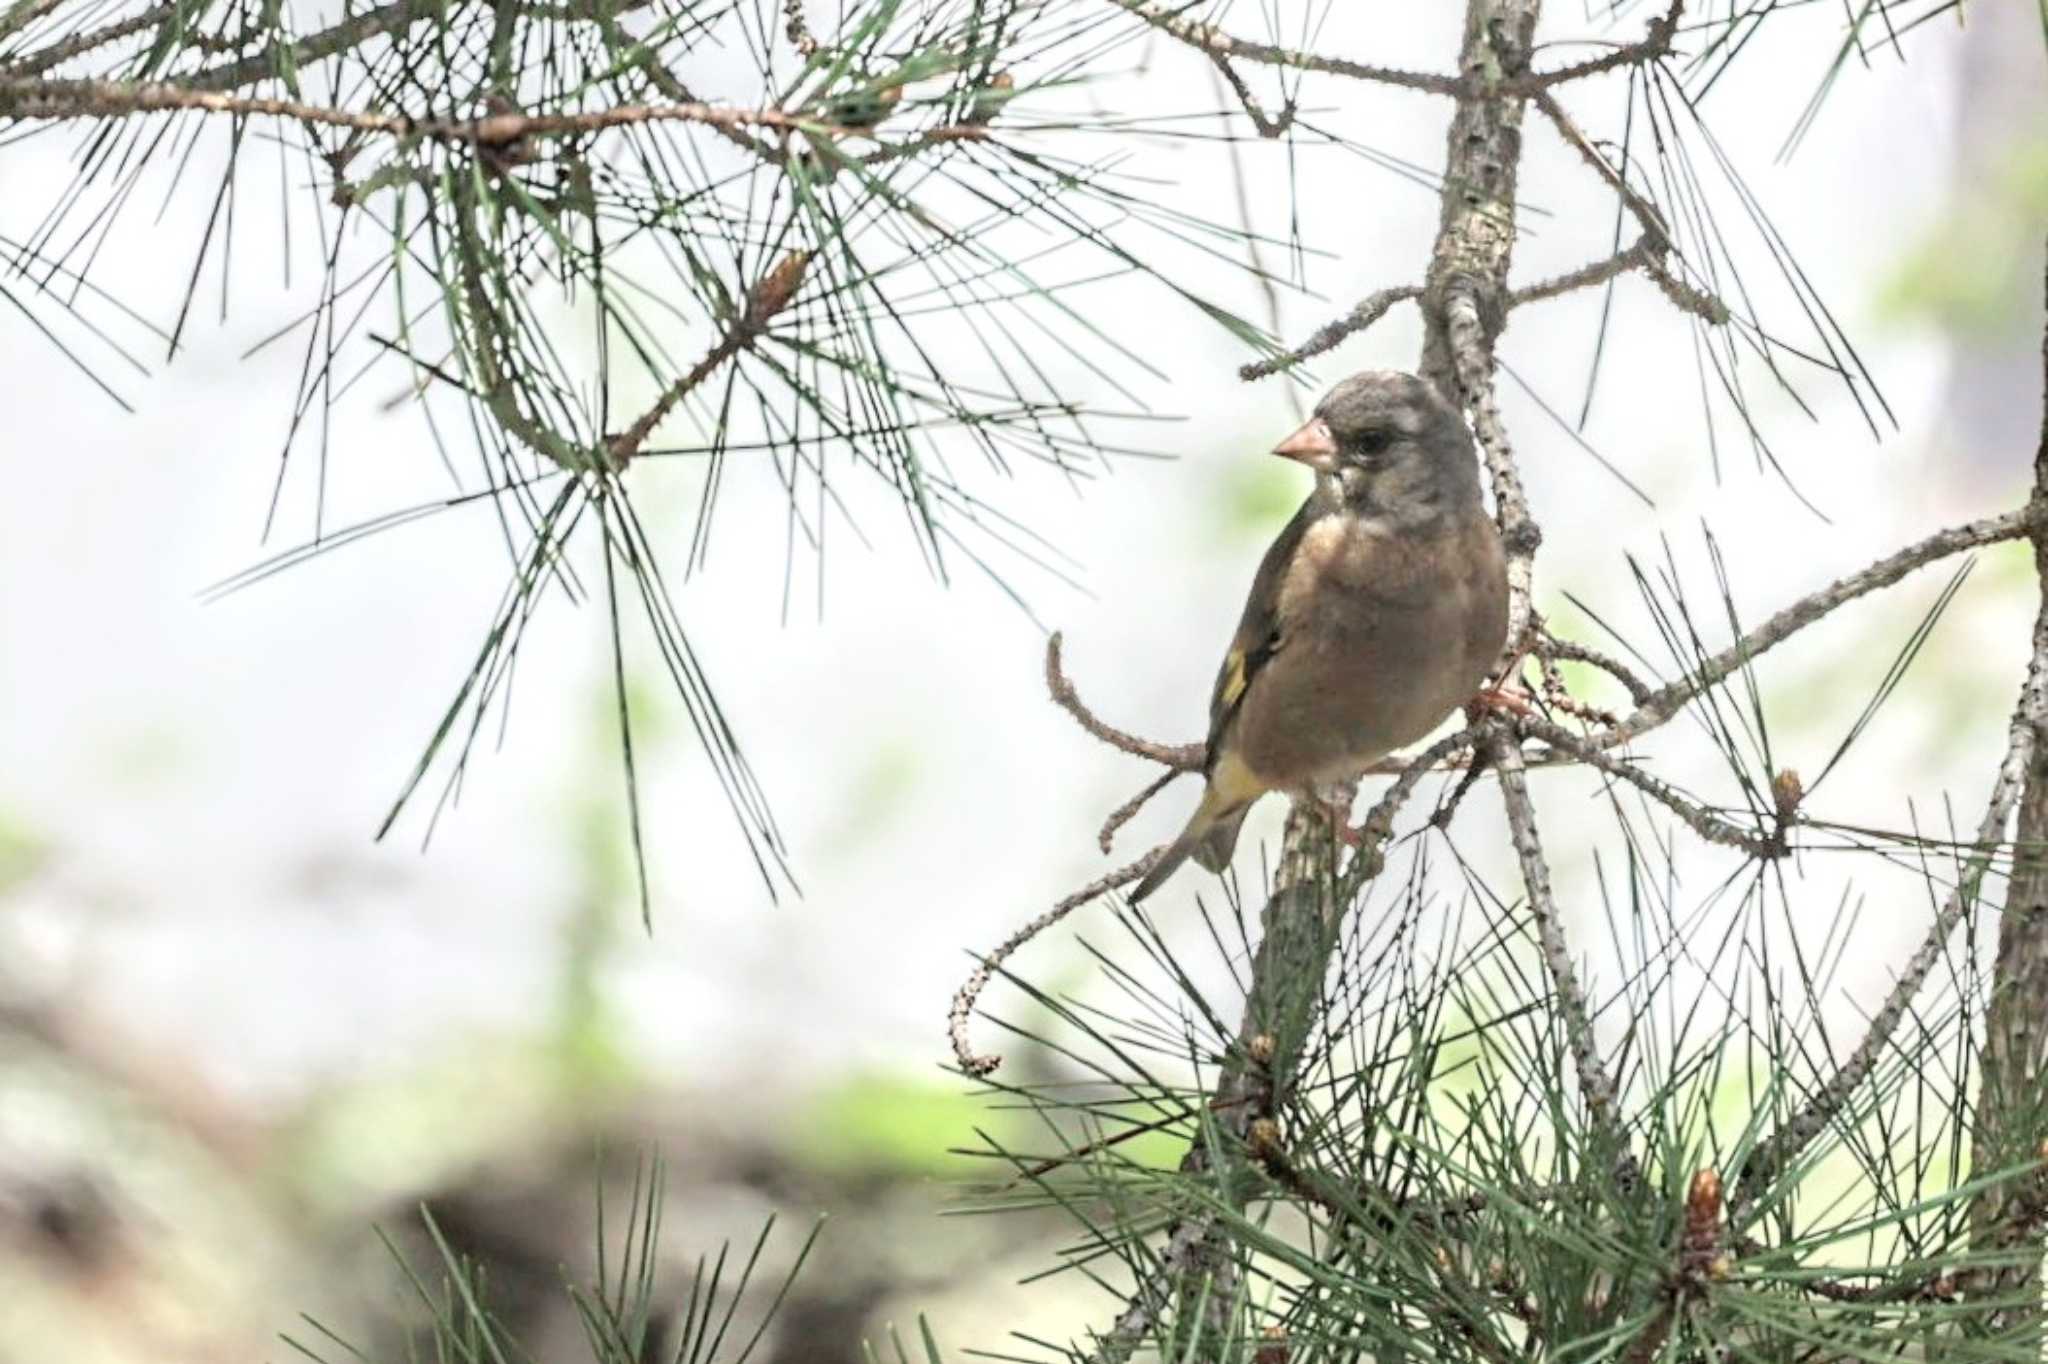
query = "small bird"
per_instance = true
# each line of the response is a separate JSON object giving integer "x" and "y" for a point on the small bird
{"x": 1378, "y": 611}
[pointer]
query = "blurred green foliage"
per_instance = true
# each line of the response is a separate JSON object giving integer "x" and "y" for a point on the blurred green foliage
{"x": 899, "y": 1123}
{"x": 22, "y": 851}
{"x": 1256, "y": 496}
{"x": 1960, "y": 274}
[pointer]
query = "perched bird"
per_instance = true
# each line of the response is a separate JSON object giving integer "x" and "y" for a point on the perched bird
{"x": 1378, "y": 611}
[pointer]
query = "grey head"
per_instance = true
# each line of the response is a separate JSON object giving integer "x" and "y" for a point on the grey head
{"x": 1386, "y": 446}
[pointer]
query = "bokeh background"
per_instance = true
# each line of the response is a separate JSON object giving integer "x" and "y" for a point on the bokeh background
{"x": 237, "y": 1034}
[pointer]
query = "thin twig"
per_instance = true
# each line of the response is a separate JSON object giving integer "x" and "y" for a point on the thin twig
{"x": 1213, "y": 43}
{"x": 352, "y": 32}
{"x": 1638, "y": 256}
{"x": 1370, "y": 309}
{"x": 961, "y": 1015}
{"x": 357, "y": 29}
{"x": 19, "y": 16}
{"x": 1472, "y": 353}
{"x": 1125, "y": 813}
{"x": 1701, "y": 820}
{"x": 1549, "y": 646}
{"x": 1687, "y": 298}
{"x": 1655, "y": 46}
{"x": 1594, "y": 1081}
{"x": 1665, "y": 702}
{"x": 1269, "y": 127}
{"x": 671, "y": 87}
{"x": 1555, "y": 694}
{"x": 1642, "y": 210}
{"x": 1180, "y": 757}
{"x": 78, "y": 44}
{"x": 1378, "y": 825}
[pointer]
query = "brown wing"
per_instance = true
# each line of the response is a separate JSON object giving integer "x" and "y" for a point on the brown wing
{"x": 1258, "y": 635}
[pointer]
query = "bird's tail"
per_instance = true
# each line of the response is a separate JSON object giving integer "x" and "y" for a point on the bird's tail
{"x": 1220, "y": 843}
{"x": 1210, "y": 838}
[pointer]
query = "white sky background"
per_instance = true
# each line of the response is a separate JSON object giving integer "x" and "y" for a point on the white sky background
{"x": 210, "y": 775}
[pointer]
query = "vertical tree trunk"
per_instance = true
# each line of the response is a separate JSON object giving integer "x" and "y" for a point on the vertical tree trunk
{"x": 2012, "y": 1095}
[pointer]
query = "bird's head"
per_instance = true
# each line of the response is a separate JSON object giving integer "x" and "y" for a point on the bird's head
{"x": 1385, "y": 444}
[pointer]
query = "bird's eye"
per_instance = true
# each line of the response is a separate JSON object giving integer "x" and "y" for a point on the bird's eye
{"x": 1373, "y": 442}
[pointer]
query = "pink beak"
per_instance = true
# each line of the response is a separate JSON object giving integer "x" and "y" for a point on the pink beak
{"x": 1312, "y": 445}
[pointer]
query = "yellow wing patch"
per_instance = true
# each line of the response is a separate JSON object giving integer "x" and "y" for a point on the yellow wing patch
{"x": 1233, "y": 678}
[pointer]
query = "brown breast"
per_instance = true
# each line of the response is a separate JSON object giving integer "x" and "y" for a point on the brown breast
{"x": 1383, "y": 635}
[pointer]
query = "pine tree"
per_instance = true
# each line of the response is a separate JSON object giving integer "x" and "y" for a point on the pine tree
{"x": 1414, "y": 1125}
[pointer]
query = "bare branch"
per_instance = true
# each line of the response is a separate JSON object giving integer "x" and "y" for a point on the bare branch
{"x": 1549, "y": 646}
{"x": 1594, "y": 1082}
{"x": 1214, "y": 43}
{"x": 961, "y": 1015}
{"x": 1644, "y": 255}
{"x": 1650, "y": 254}
{"x": 1369, "y": 310}
{"x": 1638, "y": 256}
{"x": 78, "y": 44}
{"x": 1662, "y": 704}
{"x": 1655, "y": 46}
{"x": 1687, "y": 298}
{"x": 1642, "y": 210}
{"x": 1702, "y": 821}
{"x": 1125, "y": 813}
{"x": 1268, "y": 126}
{"x": 1472, "y": 353}
{"x": 1180, "y": 757}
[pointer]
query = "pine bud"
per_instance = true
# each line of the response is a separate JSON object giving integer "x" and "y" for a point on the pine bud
{"x": 1787, "y": 791}
{"x": 777, "y": 287}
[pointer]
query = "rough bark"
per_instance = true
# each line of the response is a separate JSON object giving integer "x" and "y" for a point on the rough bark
{"x": 2011, "y": 1124}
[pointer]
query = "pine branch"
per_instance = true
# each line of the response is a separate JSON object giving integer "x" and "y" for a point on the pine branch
{"x": 1775, "y": 1154}
{"x": 72, "y": 99}
{"x": 1667, "y": 701}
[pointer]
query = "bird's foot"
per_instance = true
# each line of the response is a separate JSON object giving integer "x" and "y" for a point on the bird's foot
{"x": 1501, "y": 700}
{"x": 1335, "y": 803}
